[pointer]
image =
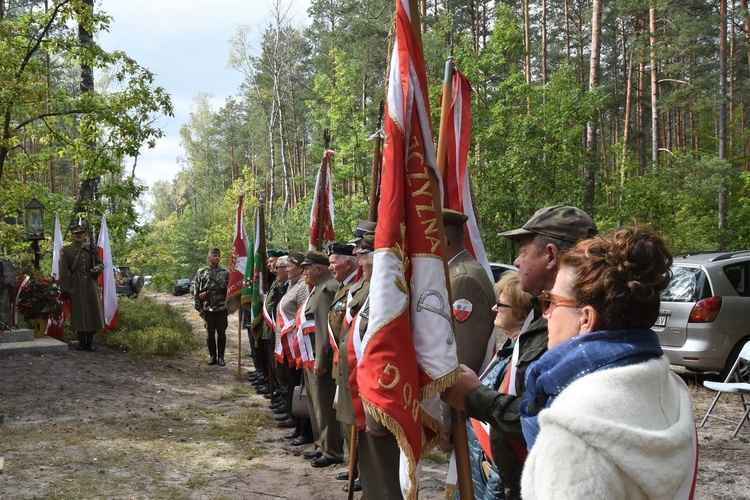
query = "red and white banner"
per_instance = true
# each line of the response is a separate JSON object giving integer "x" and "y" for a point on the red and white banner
{"x": 321, "y": 213}
{"x": 456, "y": 183}
{"x": 237, "y": 262}
{"x": 409, "y": 350}
{"x": 107, "y": 278}
{"x": 56, "y": 326}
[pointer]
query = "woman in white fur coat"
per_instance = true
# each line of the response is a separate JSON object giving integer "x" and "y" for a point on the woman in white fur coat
{"x": 603, "y": 415}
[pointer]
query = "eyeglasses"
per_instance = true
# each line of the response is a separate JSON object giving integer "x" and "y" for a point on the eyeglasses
{"x": 550, "y": 301}
{"x": 500, "y": 305}
{"x": 280, "y": 267}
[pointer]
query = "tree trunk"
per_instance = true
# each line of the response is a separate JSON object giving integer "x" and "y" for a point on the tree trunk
{"x": 591, "y": 141}
{"x": 654, "y": 88}
{"x": 544, "y": 42}
{"x": 526, "y": 42}
{"x": 723, "y": 202}
{"x": 567, "y": 33}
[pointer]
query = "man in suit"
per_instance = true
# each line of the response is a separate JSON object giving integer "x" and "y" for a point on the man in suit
{"x": 321, "y": 388}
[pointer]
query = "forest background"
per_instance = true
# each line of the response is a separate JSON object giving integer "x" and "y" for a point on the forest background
{"x": 632, "y": 110}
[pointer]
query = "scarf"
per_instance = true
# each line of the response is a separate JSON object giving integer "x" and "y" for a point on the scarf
{"x": 575, "y": 358}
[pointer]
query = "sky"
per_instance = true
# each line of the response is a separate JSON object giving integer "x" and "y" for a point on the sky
{"x": 185, "y": 44}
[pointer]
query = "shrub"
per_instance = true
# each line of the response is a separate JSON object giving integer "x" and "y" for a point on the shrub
{"x": 148, "y": 328}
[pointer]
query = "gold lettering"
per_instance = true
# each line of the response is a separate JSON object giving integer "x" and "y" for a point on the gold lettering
{"x": 424, "y": 190}
{"x": 407, "y": 394}
{"x": 390, "y": 370}
{"x": 415, "y": 409}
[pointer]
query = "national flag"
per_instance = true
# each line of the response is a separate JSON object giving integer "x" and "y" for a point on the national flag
{"x": 56, "y": 326}
{"x": 321, "y": 213}
{"x": 238, "y": 262}
{"x": 107, "y": 278}
{"x": 456, "y": 182}
{"x": 252, "y": 289}
{"x": 409, "y": 350}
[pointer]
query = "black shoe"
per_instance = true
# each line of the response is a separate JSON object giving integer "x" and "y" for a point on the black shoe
{"x": 277, "y": 404}
{"x": 322, "y": 461}
{"x": 90, "y": 348}
{"x": 302, "y": 440}
{"x": 81, "y": 347}
{"x": 343, "y": 476}
{"x": 281, "y": 410}
{"x": 282, "y": 417}
{"x": 252, "y": 377}
{"x": 289, "y": 423}
{"x": 356, "y": 487}
{"x": 260, "y": 382}
{"x": 212, "y": 361}
{"x": 309, "y": 455}
{"x": 277, "y": 394}
{"x": 262, "y": 390}
{"x": 221, "y": 362}
{"x": 293, "y": 435}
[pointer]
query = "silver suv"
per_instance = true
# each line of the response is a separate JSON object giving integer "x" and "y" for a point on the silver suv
{"x": 704, "y": 317}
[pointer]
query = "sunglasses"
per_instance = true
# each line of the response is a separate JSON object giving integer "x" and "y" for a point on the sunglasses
{"x": 500, "y": 305}
{"x": 550, "y": 301}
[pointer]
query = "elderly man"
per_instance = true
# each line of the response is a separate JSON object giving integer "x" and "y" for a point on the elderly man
{"x": 318, "y": 357}
{"x": 542, "y": 240}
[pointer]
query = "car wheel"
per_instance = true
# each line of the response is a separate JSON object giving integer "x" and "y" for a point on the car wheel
{"x": 744, "y": 368}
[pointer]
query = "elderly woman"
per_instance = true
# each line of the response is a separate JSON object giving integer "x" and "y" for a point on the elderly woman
{"x": 511, "y": 311}
{"x": 603, "y": 415}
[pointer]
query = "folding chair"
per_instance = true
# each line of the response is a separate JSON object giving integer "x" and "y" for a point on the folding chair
{"x": 740, "y": 388}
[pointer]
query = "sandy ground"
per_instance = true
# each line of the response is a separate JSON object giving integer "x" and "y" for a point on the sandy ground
{"x": 101, "y": 425}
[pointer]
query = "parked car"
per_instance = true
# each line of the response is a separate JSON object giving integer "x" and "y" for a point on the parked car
{"x": 192, "y": 287}
{"x": 705, "y": 311}
{"x": 126, "y": 282}
{"x": 181, "y": 287}
{"x": 499, "y": 269}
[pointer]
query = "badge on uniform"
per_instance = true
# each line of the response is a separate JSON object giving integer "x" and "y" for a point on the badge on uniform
{"x": 462, "y": 310}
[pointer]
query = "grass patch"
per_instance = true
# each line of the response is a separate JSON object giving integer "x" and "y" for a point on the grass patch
{"x": 148, "y": 328}
{"x": 436, "y": 456}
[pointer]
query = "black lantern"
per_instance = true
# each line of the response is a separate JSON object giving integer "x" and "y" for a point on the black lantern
{"x": 34, "y": 220}
{"x": 35, "y": 227}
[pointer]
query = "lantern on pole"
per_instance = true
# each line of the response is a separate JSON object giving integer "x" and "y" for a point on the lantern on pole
{"x": 35, "y": 227}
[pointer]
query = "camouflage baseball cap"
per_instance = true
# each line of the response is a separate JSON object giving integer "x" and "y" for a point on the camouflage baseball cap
{"x": 565, "y": 223}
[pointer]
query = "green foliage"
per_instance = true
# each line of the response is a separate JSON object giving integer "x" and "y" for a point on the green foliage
{"x": 147, "y": 328}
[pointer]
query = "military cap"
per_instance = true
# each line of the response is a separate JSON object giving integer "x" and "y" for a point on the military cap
{"x": 76, "y": 228}
{"x": 564, "y": 223}
{"x": 276, "y": 253}
{"x": 315, "y": 257}
{"x": 368, "y": 243}
{"x": 362, "y": 227}
{"x": 339, "y": 249}
{"x": 453, "y": 217}
{"x": 296, "y": 258}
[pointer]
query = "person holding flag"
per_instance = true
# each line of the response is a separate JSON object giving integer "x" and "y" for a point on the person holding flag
{"x": 211, "y": 284}
{"x": 79, "y": 269}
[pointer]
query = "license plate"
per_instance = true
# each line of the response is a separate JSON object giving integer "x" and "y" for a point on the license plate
{"x": 661, "y": 321}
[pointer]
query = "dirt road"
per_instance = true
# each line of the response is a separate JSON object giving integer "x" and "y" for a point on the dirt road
{"x": 101, "y": 425}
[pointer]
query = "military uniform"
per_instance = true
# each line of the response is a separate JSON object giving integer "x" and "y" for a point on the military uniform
{"x": 214, "y": 282}
{"x": 322, "y": 390}
{"x": 473, "y": 297}
{"x": 345, "y": 411}
{"x": 86, "y": 315}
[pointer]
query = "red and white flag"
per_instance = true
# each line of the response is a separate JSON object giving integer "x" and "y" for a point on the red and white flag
{"x": 321, "y": 213}
{"x": 409, "y": 350}
{"x": 456, "y": 183}
{"x": 238, "y": 262}
{"x": 56, "y": 326}
{"x": 107, "y": 278}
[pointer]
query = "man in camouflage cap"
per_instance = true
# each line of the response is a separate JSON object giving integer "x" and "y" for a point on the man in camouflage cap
{"x": 542, "y": 240}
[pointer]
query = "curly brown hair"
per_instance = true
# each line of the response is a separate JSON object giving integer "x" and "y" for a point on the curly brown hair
{"x": 620, "y": 274}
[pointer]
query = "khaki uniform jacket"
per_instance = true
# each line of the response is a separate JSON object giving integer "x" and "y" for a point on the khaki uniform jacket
{"x": 345, "y": 410}
{"x": 86, "y": 313}
{"x": 470, "y": 283}
{"x": 318, "y": 305}
{"x": 336, "y": 318}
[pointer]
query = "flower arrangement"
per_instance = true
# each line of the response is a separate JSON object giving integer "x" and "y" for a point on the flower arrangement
{"x": 39, "y": 298}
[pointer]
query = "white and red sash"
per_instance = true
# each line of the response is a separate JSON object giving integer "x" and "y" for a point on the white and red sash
{"x": 285, "y": 339}
{"x": 305, "y": 354}
{"x": 354, "y": 349}
{"x": 269, "y": 319}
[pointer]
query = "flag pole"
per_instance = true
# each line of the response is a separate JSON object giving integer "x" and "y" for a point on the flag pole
{"x": 460, "y": 441}
{"x": 442, "y": 145}
{"x": 377, "y": 163}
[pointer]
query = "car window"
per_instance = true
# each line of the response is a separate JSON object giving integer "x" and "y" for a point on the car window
{"x": 737, "y": 276}
{"x": 689, "y": 284}
{"x": 183, "y": 282}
